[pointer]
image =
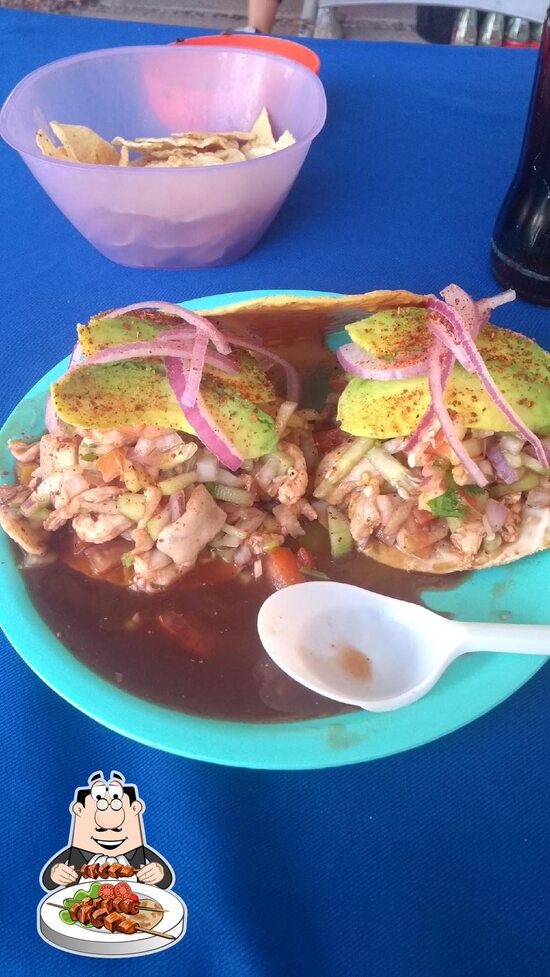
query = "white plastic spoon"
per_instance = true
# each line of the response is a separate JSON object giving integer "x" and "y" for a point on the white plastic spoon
{"x": 375, "y": 652}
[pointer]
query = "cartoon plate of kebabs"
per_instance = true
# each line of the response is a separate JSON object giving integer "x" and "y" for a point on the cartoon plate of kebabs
{"x": 112, "y": 893}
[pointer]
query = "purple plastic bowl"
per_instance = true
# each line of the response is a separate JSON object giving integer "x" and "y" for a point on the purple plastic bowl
{"x": 168, "y": 218}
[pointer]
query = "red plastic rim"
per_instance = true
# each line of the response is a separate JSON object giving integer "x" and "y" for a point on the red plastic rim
{"x": 260, "y": 42}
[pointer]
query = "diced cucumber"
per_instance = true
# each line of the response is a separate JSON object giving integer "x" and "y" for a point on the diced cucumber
{"x": 131, "y": 505}
{"x": 226, "y": 493}
{"x": 528, "y": 481}
{"x": 157, "y": 523}
{"x": 341, "y": 540}
{"x": 169, "y": 486}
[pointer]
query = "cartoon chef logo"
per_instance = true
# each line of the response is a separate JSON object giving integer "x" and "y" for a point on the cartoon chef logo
{"x": 107, "y": 879}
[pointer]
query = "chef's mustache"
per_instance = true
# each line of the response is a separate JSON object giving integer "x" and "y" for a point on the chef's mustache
{"x": 98, "y": 829}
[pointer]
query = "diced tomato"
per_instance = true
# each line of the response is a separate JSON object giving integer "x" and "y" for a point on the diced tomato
{"x": 189, "y": 633}
{"x": 281, "y": 568}
{"x": 106, "y": 890}
{"x": 422, "y": 516}
{"x": 325, "y": 441}
{"x": 305, "y": 558}
{"x": 111, "y": 464}
{"x": 134, "y": 896}
{"x": 122, "y": 890}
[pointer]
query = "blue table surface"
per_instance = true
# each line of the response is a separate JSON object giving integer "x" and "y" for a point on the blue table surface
{"x": 432, "y": 863}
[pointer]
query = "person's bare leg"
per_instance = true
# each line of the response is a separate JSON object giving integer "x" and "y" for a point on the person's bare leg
{"x": 262, "y": 14}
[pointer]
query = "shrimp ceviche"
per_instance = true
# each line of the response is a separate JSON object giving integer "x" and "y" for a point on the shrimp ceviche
{"x": 271, "y": 442}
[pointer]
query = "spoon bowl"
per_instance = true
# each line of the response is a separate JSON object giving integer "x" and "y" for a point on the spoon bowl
{"x": 372, "y": 651}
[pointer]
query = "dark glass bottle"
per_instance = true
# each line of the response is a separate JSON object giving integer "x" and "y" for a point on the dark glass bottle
{"x": 520, "y": 248}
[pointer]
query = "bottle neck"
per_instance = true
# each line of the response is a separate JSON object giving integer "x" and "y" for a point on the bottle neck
{"x": 536, "y": 140}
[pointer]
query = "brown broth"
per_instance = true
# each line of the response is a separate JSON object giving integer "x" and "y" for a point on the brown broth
{"x": 234, "y": 679}
{"x": 93, "y": 619}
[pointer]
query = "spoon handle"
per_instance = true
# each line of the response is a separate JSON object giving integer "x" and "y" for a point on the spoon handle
{"x": 521, "y": 639}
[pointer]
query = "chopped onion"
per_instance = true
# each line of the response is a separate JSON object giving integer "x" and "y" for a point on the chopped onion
{"x": 242, "y": 555}
{"x": 207, "y": 468}
{"x": 511, "y": 443}
{"x": 227, "y": 478}
{"x": 496, "y": 514}
{"x": 502, "y": 468}
{"x": 359, "y": 363}
{"x": 539, "y": 497}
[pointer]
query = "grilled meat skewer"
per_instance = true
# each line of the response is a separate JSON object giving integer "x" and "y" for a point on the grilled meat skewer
{"x": 100, "y": 916}
{"x": 106, "y": 870}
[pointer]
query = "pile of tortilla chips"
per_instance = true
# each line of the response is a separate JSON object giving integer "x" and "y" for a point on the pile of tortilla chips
{"x": 80, "y": 144}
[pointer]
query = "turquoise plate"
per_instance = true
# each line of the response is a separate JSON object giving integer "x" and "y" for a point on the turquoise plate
{"x": 470, "y": 688}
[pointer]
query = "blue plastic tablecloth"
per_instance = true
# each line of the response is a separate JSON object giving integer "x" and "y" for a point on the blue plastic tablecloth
{"x": 433, "y": 863}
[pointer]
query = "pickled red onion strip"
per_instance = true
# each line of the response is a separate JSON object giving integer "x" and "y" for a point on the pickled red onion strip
{"x": 359, "y": 363}
{"x": 436, "y": 366}
{"x": 201, "y": 420}
{"x": 193, "y": 374}
{"x": 144, "y": 349}
{"x": 193, "y": 318}
{"x": 465, "y": 306}
{"x": 429, "y": 414}
{"x": 485, "y": 306}
{"x": 447, "y": 325}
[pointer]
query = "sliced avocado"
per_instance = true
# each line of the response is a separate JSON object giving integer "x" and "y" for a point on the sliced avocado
{"x": 137, "y": 392}
{"x": 520, "y": 368}
{"x": 392, "y": 331}
{"x": 101, "y": 331}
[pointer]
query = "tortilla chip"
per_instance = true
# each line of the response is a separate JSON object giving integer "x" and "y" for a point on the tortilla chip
{"x": 287, "y": 139}
{"x": 255, "y": 152}
{"x": 47, "y": 147}
{"x": 211, "y": 141}
{"x": 262, "y": 130}
{"x": 202, "y": 159}
{"x": 231, "y": 155}
{"x": 178, "y": 149}
{"x": 237, "y": 135}
{"x": 83, "y": 145}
